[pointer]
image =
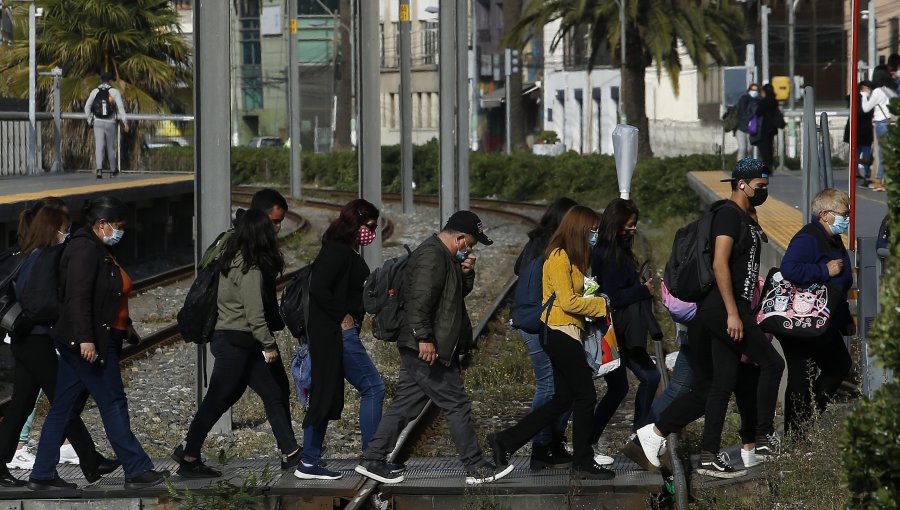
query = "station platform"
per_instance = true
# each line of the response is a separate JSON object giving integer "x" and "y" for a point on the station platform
{"x": 437, "y": 482}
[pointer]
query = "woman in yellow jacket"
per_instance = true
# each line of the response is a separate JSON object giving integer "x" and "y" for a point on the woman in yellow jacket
{"x": 568, "y": 258}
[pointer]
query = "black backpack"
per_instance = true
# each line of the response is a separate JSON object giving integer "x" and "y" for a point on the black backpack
{"x": 40, "y": 296}
{"x": 689, "y": 275}
{"x": 197, "y": 317}
{"x": 381, "y": 298}
{"x": 103, "y": 106}
{"x": 294, "y": 306}
{"x": 12, "y": 321}
{"x": 730, "y": 119}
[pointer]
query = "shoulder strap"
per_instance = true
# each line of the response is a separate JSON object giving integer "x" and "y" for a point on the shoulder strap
{"x": 12, "y": 274}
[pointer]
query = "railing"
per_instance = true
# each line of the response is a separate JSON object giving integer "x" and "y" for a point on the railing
{"x": 155, "y": 143}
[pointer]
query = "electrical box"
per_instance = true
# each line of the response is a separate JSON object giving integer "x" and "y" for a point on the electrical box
{"x": 782, "y": 86}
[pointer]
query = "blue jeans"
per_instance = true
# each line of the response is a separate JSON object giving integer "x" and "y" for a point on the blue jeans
{"x": 76, "y": 378}
{"x": 361, "y": 373}
{"x": 679, "y": 384}
{"x": 881, "y": 129}
{"x": 543, "y": 389}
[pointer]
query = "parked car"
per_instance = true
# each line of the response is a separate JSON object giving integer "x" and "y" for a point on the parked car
{"x": 265, "y": 141}
{"x": 156, "y": 142}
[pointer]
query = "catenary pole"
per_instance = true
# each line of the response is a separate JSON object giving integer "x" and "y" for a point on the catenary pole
{"x": 32, "y": 90}
{"x": 854, "y": 113}
{"x": 764, "y": 40}
{"x": 462, "y": 101}
{"x": 447, "y": 89}
{"x": 406, "y": 143}
{"x": 294, "y": 99}
{"x": 369, "y": 140}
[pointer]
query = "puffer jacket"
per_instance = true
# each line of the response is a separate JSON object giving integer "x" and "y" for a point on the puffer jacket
{"x": 433, "y": 293}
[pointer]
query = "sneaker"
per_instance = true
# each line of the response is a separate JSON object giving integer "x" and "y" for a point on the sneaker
{"x": 305, "y": 472}
{"x": 67, "y": 455}
{"x": 487, "y": 473}
{"x": 748, "y": 457}
{"x": 48, "y": 485}
{"x": 651, "y": 443}
{"x": 542, "y": 457}
{"x": 592, "y": 471}
{"x": 501, "y": 454}
{"x": 106, "y": 466}
{"x": 395, "y": 468}
{"x": 23, "y": 459}
{"x": 767, "y": 447}
{"x": 8, "y": 480}
{"x": 718, "y": 466}
{"x": 293, "y": 460}
{"x": 378, "y": 470}
{"x": 196, "y": 469}
{"x": 99, "y": 174}
{"x": 146, "y": 479}
{"x": 600, "y": 456}
{"x": 864, "y": 183}
{"x": 115, "y": 173}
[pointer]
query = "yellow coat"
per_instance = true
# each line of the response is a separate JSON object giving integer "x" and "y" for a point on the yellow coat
{"x": 567, "y": 281}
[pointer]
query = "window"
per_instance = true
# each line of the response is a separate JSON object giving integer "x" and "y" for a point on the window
{"x": 251, "y": 87}
{"x": 429, "y": 42}
{"x": 251, "y": 55}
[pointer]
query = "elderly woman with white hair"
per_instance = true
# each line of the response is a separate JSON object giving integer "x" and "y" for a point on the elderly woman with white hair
{"x": 817, "y": 254}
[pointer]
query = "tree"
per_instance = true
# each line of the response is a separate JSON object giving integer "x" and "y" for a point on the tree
{"x": 656, "y": 31}
{"x": 512, "y": 9}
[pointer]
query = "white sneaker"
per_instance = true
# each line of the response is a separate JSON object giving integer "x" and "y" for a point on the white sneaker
{"x": 748, "y": 457}
{"x": 600, "y": 456}
{"x": 67, "y": 455}
{"x": 652, "y": 444}
{"x": 23, "y": 459}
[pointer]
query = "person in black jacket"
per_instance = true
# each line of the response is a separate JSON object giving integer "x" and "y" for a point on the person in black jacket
{"x": 335, "y": 316}
{"x": 865, "y": 135}
{"x": 93, "y": 324}
{"x": 34, "y": 353}
{"x": 548, "y": 446}
{"x": 616, "y": 269}
{"x": 771, "y": 120}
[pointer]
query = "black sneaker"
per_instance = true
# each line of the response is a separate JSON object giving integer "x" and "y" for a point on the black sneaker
{"x": 178, "y": 454}
{"x": 767, "y": 447}
{"x": 291, "y": 461}
{"x": 487, "y": 473}
{"x": 592, "y": 471}
{"x": 558, "y": 449}
{"x": 396, "y": 468}
{"x": 196, "y": 469}
{"x": 106, "y": 466}
{"x": 146, "y": 479}
{"x": 47, "y": 485}
{"x": 501, "y": 454}
{"x": 718, "y": 466}
{"x": 378, "y": 470}
{"x": 8, "y": 480}
{"x": 544, "y": 456}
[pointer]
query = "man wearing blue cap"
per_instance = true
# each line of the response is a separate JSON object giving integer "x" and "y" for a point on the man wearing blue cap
{"x": 724, "y": 329}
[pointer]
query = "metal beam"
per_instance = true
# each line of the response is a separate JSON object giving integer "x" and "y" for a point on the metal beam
{"x": 369, "y": 141}
{"x": 447, "y": 69}
{"x": 406, "y": 143}
{"x": 212, "y": 148}
{"x": 462, "y": 101}
{"x": 32, "y": 160}
{"x": 294, "y": 99}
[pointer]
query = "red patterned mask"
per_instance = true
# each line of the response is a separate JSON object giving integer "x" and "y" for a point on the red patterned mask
{"x": 365, "y": 235}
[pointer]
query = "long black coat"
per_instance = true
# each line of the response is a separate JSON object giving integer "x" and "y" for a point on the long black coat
{"x": 335, "y": 290}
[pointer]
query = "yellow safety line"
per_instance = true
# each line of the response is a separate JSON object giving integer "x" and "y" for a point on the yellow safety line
{"x": 79, "y": 190}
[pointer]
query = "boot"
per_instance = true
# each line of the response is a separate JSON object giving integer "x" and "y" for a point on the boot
{"x": 543, "y": 456}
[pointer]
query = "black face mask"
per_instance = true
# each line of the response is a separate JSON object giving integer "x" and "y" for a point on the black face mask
{"x": 759, "y": 197}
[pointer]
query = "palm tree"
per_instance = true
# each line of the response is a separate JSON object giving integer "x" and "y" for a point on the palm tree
{"x": 656, "y": 31}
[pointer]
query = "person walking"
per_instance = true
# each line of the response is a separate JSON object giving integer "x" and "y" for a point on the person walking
{"x": 615, "y": 266}
{"x": 436, "y": 334}
{"x": 770, "y": 121}
{"x": 242, "y": 344}
{"x": 746, "y": 107}
{"x": 864, "y": 136}
{"x": 93, "y": 324}
{"x": 548, "y": 446}
{"x": 568, "y": 258}
{"x": 816, "y": 254}
{"x": 727, "y": 330}
{"x": 877, "y": 102}
{"x": 104, "y": 109}
{"x": 335, "y": 317}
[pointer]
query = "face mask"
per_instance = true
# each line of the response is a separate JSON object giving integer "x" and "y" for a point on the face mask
{"x": 461, "y": 255}
{"x": 593, "y": 237}
{"x": 113, "y": 239}
{"x": 65, "y": 236}
{"x": 840, "y": 225}
{"x": 753, "y": 93}
{"x": 759, "y": 196}
{"x": 365, "y": 236}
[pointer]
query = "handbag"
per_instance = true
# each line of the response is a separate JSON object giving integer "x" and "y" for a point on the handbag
{"x": 789, "y": 310}
{"x": 600, "y": 345}
{"x": 11, "y": 318}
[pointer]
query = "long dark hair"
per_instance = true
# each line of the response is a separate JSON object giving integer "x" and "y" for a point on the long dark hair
{"x": 615, "y": 216}
{"x": 107, "y": 208}
{"x": 344, "y": 228}
{"x": 29, "y": 213}
{"x": 552, "y": 218}
{"x": 254, "y": 237}
{"x": 44, "y": 229}
{"x": 572, "y": 236}
{"x": 881, "y": 77}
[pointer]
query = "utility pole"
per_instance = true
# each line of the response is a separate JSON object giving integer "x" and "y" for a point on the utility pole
{"x": 447, "y": 69}
{"x": 294, "y": 99}
{"x": 369, "y": 140}
{"x": 622, "y": 116}
{"x": 32, "y": 90}
{"x": 56, "y": 74}
{"x": 764, "y": 40}
{"x": 462, "y": 102}
{"x": 872, "y": 48}
{"x": 792, "y": 7}
{"x": 406, "y": 146}
{"x": 507, "y": 77}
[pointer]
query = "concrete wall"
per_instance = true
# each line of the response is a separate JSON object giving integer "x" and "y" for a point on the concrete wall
{"x": 580, "y": 107}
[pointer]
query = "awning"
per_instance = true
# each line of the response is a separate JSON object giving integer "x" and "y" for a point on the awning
{"x": 496, "y": 97}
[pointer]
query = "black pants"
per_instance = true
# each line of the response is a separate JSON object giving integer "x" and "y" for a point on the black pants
{"x": 240, "y": 363}
{"x": 616, "y": 391}
{"x": 829, "y": 355}
{"x": 766, "y": 147}
{"x": 574, "y": 385}
{"x": 36, "y": 365}
{"x": 718, "y": 363}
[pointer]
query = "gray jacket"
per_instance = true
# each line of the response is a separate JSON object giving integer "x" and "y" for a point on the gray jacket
{"x": 240, "y": 303}
{"x": 433, "y": 294}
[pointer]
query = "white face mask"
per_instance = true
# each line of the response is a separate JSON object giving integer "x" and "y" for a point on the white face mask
{"x": 753, "y": 93}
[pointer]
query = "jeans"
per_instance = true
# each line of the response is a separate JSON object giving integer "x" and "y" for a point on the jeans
{"x": 360, "y": 371}
{"x": 76, "y": 378}
{"x": 543, "y": 389}
{"x": 881, "y": 129}
{"x": 239, "y": 364}
{"x": 829, "y": 355}
{"x": 679, "y": 383}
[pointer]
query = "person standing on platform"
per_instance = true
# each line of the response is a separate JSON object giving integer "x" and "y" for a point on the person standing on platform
{"x": 104, "y": 109}
{"x": 864, "y": 135}
{"x": 770, "y": 120}
{"x": 746, "y": 108}
{"x": 878, "y": 102}
{"x": 437, "y": 332}
{"x": 93, "y": 323}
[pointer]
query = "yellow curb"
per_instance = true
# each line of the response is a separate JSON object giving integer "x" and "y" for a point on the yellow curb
{"x": 80, "y": 190}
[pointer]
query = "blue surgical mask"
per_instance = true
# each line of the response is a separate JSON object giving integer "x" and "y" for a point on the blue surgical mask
{"x": 112, "y": 240}
{"x": 753, "y": 93}
{"x": 593, "y": 237}
{"x": 65, "y": 236}
{"x": 460, "y": 254}
{"x": 840, "y": 225}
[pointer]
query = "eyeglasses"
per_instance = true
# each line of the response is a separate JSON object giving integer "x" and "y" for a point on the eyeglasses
{"x": 837, "y": 213}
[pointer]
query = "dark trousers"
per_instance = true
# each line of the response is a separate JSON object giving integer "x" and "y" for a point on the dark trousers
{"x": 574, "y": 385}
{"x": 616, "y": 391}
{"x": 829, "y": 355}
{"x": 716, "y": 375}
{"x": 239, "y": 364}
{"x": 766, "y": 147}
{"x": 35, "y": 370}
{"x": 641, "y": 365}
{"x": 75, "y": 380}
{"x": 419, "y": 382}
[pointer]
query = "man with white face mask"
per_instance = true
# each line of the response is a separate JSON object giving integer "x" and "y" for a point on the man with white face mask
{"x": 746, "y": 108}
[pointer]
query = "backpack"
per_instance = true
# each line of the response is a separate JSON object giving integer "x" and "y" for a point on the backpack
{"x": 294, "y": 306}
{"x": 689, "y": 275}
{"x": 381, "y": 298}
{"x": 730, "y": 119}
{"x": 40, "y": 296}
{"x": 197, "y": 317}
{"x": 103, "y": 106}
{"x": 528, "y": 298}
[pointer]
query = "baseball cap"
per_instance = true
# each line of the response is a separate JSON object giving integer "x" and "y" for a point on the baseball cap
{"x": 468, "y": 222}
{"x": 747, "y": 169}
